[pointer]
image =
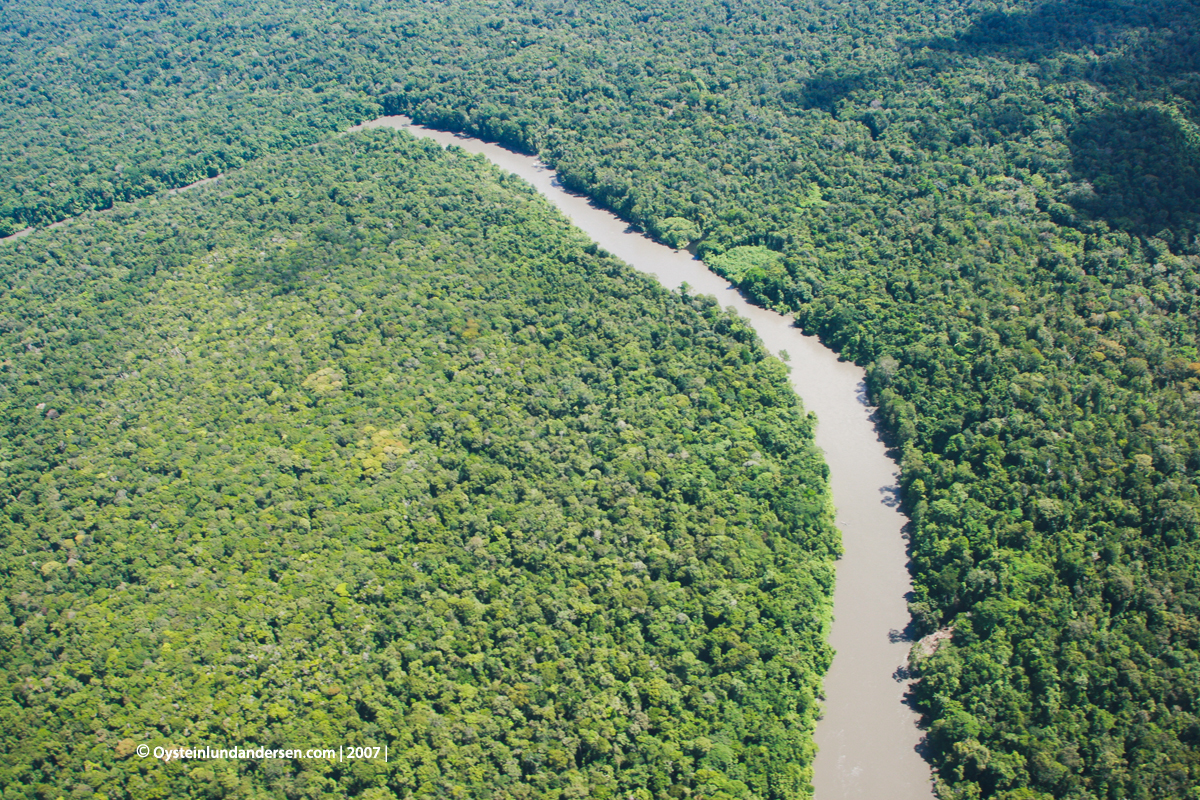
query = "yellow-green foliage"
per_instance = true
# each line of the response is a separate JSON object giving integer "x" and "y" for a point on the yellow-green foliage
{"x": 326, "y": 380}
{"x": 740, "y": 264}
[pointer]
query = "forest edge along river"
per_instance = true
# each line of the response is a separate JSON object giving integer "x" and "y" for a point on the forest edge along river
{"x": 867, "y": 735}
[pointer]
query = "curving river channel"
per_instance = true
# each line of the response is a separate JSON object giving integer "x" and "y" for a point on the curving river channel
{"x": 868, "y": 737}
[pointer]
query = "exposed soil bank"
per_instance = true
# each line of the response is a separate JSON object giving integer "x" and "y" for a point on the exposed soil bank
{"x": 18, "y": 235}
{"x": 868, "y": 737}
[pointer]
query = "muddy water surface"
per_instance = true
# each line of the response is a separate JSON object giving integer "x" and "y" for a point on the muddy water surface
{"x": 867, "y": 735}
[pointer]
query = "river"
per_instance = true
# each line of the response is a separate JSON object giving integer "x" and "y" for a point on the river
{"x": 868, "y": 736}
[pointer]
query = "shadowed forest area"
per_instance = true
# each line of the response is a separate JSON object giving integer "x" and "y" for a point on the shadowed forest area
{"x": 1139, "y": 160}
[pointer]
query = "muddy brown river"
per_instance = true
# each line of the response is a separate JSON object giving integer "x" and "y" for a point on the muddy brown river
{"x": 867, "y": 736}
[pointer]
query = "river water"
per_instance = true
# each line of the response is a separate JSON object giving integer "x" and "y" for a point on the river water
{"x": 867, "y": 736}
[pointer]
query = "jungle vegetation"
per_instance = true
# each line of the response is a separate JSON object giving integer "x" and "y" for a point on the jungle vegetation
{"x": 365, "y": 445}
{"x": 993, "y": 206}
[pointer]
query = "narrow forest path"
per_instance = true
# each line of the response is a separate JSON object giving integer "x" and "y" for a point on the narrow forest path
{"x": 868, "y": 736}
{"x": 164, "y": 193}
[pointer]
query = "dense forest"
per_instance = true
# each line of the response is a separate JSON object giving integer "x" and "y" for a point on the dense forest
{"x": 365, "y": 445}
{"x": 993, "y": 206}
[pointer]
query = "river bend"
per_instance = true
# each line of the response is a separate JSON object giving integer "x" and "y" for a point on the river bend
{"x": 867, "y": 735}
